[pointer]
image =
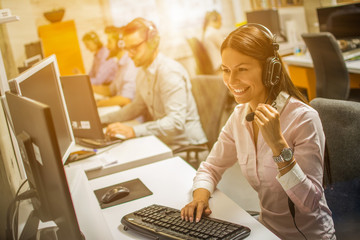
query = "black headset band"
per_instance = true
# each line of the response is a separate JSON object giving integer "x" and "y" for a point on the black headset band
{"x": 268, "y": 33}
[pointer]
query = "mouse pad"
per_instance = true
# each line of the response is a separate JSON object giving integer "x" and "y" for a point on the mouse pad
{"x": 136, "y": 187}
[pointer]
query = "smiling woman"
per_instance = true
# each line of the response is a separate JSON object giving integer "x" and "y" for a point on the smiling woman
{"x": 281, "y": 150}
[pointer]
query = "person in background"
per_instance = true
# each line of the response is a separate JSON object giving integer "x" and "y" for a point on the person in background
{"x": 93, "y": 43}
{"x": 276, "y": 138}
{"x": 121, "y": 90}
{"x": 107, "y": 69}
{"x": 212, "y": 37}
{"x": 163, "y": 89}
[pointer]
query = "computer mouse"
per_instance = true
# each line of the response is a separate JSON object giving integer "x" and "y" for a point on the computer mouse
{"x": 114, "y": 194}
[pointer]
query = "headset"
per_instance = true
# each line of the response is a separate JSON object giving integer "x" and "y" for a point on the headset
{"x": 272, "y": 70}
{"x": 152, "y": 31}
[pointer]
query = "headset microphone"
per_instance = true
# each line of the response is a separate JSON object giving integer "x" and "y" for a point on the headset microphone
{"x": 250, "y": 117}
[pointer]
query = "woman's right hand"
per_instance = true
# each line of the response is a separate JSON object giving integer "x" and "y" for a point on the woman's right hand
{"x": 200, "y": 203}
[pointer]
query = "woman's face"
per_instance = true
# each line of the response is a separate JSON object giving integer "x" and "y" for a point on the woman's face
{"x": 138, "y": 49}
{"x": 242, "y": 75}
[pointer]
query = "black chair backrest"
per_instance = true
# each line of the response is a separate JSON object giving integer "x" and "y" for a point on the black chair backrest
{"x": 211, "y": 96}
{"x": 341, "y": 124}
{"x": 332, "y": 77}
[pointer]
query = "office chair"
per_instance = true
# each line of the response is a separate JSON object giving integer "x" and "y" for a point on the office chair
{"x": 211, "y": 96}
{"x": 203, "y": 62}
{"x": 332, "y": 77}
{"x": 341, "y": 124}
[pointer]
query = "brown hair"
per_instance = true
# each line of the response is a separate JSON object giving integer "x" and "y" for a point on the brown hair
{"x": 92, "y": 36}
{"x": 141, "y": 24}
{"x": 255, "y": 42}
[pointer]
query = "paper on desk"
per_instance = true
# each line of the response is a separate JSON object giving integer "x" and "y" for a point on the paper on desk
{"x": 103, "y": 161}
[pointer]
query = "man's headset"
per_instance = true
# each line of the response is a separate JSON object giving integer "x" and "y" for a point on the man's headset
{"x": 152, "y": 31}
{"x": 272, "y": 69}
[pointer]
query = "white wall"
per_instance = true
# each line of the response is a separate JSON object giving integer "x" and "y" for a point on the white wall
{"x": 293, "y": 21}
{"x": 87, "y": 14}
{"x": 176, "y": 20}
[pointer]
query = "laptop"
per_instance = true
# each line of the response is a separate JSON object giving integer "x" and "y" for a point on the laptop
{"x": 83, "y": 113}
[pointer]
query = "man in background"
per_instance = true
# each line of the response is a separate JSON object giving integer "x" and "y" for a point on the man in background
{"x": 163, "y": 89}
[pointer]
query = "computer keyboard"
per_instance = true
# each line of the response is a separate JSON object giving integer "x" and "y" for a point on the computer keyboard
{"x": 161, "y": 222}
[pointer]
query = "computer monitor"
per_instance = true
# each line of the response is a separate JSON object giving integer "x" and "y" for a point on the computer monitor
{"x": 35, "y": 131}
{"x": 343, "y": 21}
{"x": 41, "y": 82}
{"x": 269, "y": 18}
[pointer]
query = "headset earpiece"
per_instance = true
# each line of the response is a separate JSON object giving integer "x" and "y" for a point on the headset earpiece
{"x": 152, "y": 32}
{"x": 272, "y": 72}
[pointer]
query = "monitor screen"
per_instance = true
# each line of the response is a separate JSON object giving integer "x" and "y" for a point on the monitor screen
{"x": 42, "y": 83}
{"x": 343, "y": 21}
{"x": 34, "y": 127}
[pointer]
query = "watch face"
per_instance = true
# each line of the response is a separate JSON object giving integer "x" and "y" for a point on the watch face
{"x": 287, "y": 154}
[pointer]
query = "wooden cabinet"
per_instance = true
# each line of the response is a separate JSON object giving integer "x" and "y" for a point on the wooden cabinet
{"x": 61, "y": 39}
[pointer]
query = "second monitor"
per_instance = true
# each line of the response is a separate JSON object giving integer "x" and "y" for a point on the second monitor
{"x": 269, "y": 18}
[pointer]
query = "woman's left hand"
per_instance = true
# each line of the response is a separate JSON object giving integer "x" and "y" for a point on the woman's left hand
{"x": 267, "y": 119}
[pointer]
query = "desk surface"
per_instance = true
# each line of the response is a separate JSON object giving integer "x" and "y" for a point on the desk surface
{"x": 306, "y": 61}
{"x": 170, "y": 181}
{"x": 122, "y": 156}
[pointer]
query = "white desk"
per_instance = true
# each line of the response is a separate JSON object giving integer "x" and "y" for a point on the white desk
{"x": 122, "y": 156}
{"x": 306, "y": 61}
{"x": 170, "y": 181}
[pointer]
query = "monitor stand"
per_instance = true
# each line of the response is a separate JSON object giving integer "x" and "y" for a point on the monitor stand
{"x": 31, "y": 230}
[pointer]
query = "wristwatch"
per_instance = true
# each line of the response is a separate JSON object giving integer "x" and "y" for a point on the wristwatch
{"x": 285, "y": 155}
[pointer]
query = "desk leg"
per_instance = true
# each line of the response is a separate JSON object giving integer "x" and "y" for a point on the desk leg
{"x": 303, "y": 77}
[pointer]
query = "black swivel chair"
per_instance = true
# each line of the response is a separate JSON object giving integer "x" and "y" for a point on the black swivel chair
{"x": 341, "y": 124}
{"x": 332, "y": 77}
